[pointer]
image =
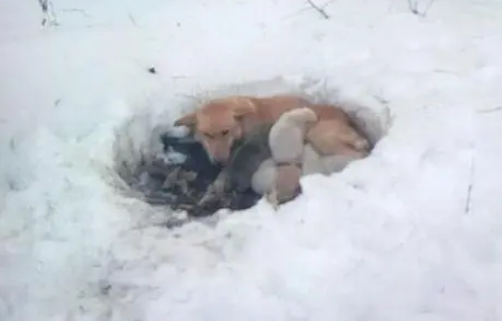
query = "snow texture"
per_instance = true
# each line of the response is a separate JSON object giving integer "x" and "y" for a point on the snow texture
{"x": 413, "y": 232}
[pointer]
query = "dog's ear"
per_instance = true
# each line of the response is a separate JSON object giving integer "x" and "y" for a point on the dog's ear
{"x": 242, "y": 106}
{"x": 189, "y": 120}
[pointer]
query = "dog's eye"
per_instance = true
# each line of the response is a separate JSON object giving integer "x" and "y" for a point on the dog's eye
{"x": 225, "y": 132}
{"x": 208, "y": 135}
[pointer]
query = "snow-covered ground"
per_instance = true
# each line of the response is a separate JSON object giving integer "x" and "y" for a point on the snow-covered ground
{"x": 414, "y": 232}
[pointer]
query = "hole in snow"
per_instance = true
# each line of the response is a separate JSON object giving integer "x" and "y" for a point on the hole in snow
{"x": 165, "y": 168}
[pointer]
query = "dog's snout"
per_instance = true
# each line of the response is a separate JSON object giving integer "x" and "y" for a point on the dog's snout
{"x": 221, "y": 157}
{"x": 217, "y": 151}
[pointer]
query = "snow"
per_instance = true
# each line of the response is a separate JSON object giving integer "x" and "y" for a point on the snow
{"x": 389, "y": 238}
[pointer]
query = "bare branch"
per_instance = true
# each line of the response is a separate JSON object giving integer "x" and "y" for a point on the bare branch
{"x": 131, "y": 18}
{"x": 48, "y": 13}
{"x": 470, "y": 186}
{"x": 323, "y": 7}
{"x": 318, "y": 9}
{"x": 44, "y": 5}
{"x": 413, "y": 6}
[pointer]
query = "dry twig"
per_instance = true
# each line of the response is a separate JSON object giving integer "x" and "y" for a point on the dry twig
{"x": 318, "y": 9}
{"x": 413, "y": 5}
{"x": 48, "y": 12}
{"x": 470, "y": 186}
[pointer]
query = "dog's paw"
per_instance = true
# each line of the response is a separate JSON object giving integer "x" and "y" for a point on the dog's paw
{"x": 362, "y": 144}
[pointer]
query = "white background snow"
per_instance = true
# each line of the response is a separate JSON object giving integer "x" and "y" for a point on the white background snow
{"x": 390, "y": 238}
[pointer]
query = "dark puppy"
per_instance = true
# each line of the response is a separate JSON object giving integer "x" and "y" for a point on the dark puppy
{"x": 246, "y": 157}
{"x": 185, "y": 183}
{"x": 197, "y": 159}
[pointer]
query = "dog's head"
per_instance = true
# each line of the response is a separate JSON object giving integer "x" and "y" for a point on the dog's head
{"x": 217, "y": 125}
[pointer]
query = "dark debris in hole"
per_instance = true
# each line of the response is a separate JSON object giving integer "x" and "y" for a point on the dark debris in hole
{"x": 180, "y": 186}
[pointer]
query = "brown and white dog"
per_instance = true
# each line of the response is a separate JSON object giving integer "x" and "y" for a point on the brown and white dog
{"x": 220, "y": 122}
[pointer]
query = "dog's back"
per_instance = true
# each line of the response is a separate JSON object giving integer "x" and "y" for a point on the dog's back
{"x": 327, "y": 111}
{"x": 270, "y": 109}
{"x": 334, "y": 116}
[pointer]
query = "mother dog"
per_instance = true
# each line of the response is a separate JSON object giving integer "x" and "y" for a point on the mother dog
{"x": 222, "y": 121}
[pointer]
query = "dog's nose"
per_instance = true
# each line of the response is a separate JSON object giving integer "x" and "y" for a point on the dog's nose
{"x": 222, "y": 161}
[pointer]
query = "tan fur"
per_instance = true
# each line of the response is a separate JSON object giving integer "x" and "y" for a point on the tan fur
{"x": 328, "y": 111}
{"x": 335, "y": 137}
{"x": 313, "y": 163}
{"x": 221, "y": 121}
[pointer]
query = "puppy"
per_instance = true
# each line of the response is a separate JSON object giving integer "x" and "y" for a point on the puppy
{"x": 221, "y": 122}
{"x": 264, "y": 178}
{"x": 287, "y": 141}
{"x": 197, "y": 160}
{"x": 287, "y": 136}
{"x": 246, "y": 158}
{"x": 289, "y": 147}
{"x": 279, "y": 180}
